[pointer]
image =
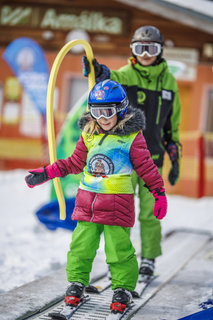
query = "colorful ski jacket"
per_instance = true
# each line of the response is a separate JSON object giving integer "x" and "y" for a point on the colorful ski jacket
{"x": 107, "y": 159}
{"x": 154, "y": 90}
{"x": 109, "y": 162}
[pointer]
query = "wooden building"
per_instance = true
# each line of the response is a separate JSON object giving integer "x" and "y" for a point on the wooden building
{"x": 109, "y": 27}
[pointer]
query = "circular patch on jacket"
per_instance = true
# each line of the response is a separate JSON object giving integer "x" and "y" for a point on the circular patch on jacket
{"x": 101, "y": 165}
{"x": 141, "y": 97}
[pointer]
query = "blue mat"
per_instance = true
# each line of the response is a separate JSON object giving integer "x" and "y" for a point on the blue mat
{"x": 49, "y": 215}
{"x": 202, "y": 315}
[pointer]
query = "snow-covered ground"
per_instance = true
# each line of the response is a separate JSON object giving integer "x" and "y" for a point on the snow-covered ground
{"x": 29, "y": 251}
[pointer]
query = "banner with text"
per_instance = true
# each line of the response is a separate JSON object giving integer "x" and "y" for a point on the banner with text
{"x": 28, "y": 62}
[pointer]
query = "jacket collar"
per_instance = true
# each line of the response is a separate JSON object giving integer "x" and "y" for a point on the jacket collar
{"x": 134, "y": 124}
{"x": 150, "y": 72}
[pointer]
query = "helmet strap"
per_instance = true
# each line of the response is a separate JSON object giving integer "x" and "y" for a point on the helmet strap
{"x": 122, "y": 113}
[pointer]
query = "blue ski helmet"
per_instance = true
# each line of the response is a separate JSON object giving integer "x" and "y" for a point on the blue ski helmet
{"x": 109, "y": 93}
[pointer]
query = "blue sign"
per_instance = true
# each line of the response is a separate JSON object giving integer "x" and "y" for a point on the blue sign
{"x": 28, "y": 62}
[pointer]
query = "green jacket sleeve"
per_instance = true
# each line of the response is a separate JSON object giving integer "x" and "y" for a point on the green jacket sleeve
{"x": 121, "y": 75}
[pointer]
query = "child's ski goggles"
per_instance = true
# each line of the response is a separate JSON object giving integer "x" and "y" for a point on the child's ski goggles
{"x": 104, "y": 111}
{"x": 141, "y": 48}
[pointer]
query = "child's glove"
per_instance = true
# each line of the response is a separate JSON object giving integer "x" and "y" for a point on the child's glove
{"x": 160, "y": 206}
{"x": 41, "y": 175}
{"x": 102, "y": 72}
{"x": 174, "y": 152}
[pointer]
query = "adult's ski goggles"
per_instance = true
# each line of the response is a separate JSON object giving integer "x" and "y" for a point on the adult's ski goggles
{"x": 103, "y": 111}
{"x": 141, "y": 48}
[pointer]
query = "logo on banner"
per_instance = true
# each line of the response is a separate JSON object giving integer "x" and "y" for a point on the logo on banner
{"x": 28, "y": 62}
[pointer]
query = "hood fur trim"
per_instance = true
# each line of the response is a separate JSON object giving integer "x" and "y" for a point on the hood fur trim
{"x": 134, "y": 124}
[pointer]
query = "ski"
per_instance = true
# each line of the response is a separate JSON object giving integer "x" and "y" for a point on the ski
{"x": 67, "y": 310}
{"x": 142, "y": 284}
{"x": 169, "y": 265}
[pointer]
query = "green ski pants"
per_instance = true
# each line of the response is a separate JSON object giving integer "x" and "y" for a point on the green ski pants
{"x": 150, "y": 227}
{"x": 120, "y": 254}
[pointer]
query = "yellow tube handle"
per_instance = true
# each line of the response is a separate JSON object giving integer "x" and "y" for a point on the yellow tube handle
{"x": 49, "y": 109}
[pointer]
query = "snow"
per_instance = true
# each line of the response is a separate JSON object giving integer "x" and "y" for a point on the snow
{"x": 29, "y": 251}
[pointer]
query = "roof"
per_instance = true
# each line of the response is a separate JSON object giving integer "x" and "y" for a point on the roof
{"x": 195, "y": 13}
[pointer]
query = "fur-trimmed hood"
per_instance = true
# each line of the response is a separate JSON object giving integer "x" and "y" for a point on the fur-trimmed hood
{"x": 134, "y": 124}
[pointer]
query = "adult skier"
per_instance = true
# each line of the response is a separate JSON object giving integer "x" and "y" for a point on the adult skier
{"x": 151, "y": 88}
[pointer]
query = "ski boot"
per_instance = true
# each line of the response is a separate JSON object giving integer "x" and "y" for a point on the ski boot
{"x": 147, "y": 267}
{"x": 146, "y": 270}
{"x": 120, "y": 300}
{"x": 74, "y": 293}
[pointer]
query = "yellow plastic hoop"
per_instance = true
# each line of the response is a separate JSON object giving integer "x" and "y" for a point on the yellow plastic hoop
{"x": 49, "y": 109}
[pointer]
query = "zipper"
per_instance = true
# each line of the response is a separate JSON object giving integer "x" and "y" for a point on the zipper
{"x": 159, "y": 80}
{"x": 92, "y": 208}
{"x": 159, "y": 109}
{"x": 102, "y": 139}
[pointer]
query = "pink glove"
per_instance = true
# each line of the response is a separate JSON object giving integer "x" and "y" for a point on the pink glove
{"x": 41, "y": 175}
{"x": 160, "y": 206}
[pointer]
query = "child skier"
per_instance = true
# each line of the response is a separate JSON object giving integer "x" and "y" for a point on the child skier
{"x": 110, "y": 147}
